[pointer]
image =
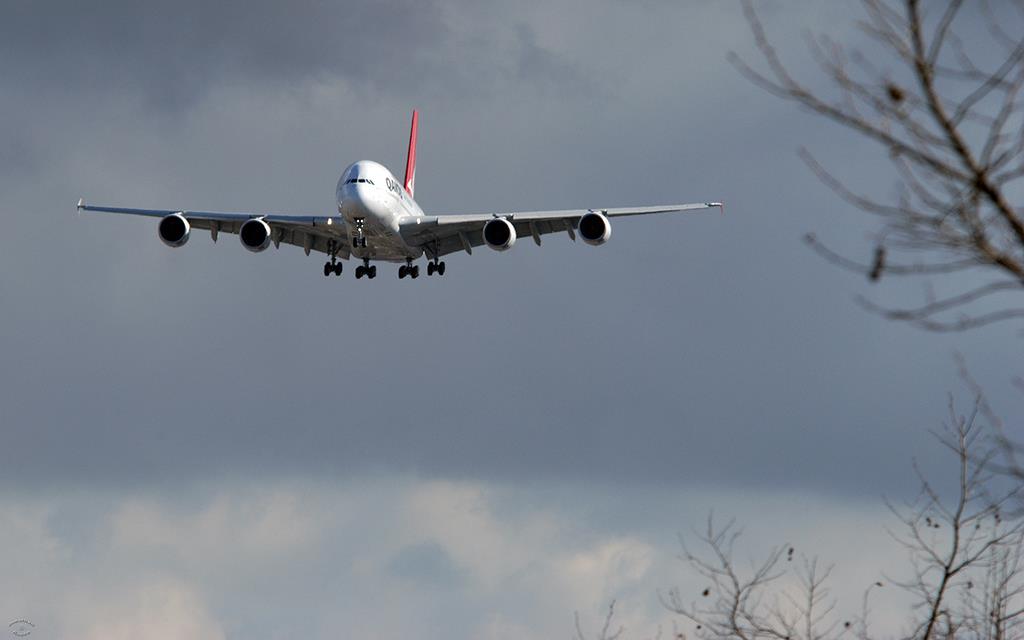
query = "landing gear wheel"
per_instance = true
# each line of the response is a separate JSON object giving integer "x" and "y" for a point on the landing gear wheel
{"x": 360, "y": 272}
{"x": 430, "y": 268}
{"x": 337, "y": 269}
{"x": 372, "y": 272}
{"x": 439, "y": 268}
{"x": 402, "y": 271}
{"x": 415, "y": 271}
{"x": 327, "y": 269}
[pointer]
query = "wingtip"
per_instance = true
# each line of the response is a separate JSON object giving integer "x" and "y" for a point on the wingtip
{"x": 81, "y": 204}
{"x": 720, "y": 205}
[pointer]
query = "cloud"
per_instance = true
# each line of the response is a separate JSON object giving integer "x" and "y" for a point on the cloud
{"x": 426, "y": 563}
{"x": 261, "y": 525}
{"x": 390, "y": 557}
{"x": 158, "y": 610}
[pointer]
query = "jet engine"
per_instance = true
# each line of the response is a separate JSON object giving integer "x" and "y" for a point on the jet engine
{"x": 499, "y": 234}
{"x": 174, "y": 230}
{"x": 595, "y": 229}
{"x": 255, "y": 234}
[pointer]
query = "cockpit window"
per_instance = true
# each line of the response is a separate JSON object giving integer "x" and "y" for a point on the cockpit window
{"x": 359, "y": 180}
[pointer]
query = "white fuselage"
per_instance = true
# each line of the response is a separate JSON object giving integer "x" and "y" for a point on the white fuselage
{"x": 371, "y": 198}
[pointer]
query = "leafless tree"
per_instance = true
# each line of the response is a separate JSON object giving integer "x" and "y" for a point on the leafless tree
{"x": 735, "y": 603}
{"x": 606, "y": 632}
{"x": 966, "y": 579}
{"x": 610, "y": 630}
{"x": 948, "y": 117}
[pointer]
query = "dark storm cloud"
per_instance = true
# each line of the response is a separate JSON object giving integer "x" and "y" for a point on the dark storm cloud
{"x": 691, "y": 350}
{"x": 172, "y": 49}
{"x": 170, "y": 53}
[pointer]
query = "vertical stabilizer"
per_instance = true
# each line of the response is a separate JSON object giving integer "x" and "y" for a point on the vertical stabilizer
{"x": 410, "y": 162}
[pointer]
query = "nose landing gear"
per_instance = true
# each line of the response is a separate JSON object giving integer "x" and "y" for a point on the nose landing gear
{"x": 359, "y": 240}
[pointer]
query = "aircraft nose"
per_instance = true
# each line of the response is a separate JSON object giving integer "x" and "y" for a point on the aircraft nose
{"x": 364, "y": 201}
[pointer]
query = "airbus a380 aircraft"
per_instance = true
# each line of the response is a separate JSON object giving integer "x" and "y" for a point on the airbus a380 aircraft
{"x": 378, "y": 220}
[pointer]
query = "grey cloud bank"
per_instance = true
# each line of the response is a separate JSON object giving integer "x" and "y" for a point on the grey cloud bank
{"x": 704, "y": 349}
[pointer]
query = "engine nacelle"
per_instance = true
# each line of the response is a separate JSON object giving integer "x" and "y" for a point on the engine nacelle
{"x": 499, "y": 234}
{"x": 174, "y": 230}
{"x": 595, "y": 228}
{"x": 255, "y": 234}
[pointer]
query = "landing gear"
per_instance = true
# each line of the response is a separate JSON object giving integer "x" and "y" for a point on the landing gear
{"x": 359, "y": 240}
{"x": 409, "y": 269}
{"x": 332, "y": 265}
{"x": 366, "y": 270}
{"x": 435, "y": 267}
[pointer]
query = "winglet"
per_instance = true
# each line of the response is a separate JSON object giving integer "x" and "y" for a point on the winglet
{"x": 81, "y": 204}
{"x": 720, "y": 205}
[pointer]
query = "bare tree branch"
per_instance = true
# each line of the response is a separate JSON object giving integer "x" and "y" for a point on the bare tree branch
{"x": 966, "y": 575}
{"x": 955, "y": 137}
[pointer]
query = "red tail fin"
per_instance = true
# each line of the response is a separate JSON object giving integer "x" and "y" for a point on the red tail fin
{"x": 410, "y": 163}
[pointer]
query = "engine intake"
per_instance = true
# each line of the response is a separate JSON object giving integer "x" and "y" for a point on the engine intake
{"x": 255, "y": 234}
{"x": 174, "y": 230}
{"x": 499, "y": 234}
{"x": 595, "y": 228}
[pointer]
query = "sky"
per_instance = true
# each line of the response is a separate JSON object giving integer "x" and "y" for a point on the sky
{"x": 213, "y": 443}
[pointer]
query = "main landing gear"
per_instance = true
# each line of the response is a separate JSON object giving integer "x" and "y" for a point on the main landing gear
{"x": 332, "y": 265}
{"x": 413, "y": 271}
{"x": 366, "y": 270}
{"x": 409, "y": 269}
{"x": 435, "y": 267}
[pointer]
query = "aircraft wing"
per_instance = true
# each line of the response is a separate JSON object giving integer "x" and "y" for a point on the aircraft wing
{"x": 312, "y": 233}
{"x": 441, "y": 235}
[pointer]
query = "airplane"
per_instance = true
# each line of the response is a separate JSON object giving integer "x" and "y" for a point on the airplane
{"x": 379, "y": 221}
